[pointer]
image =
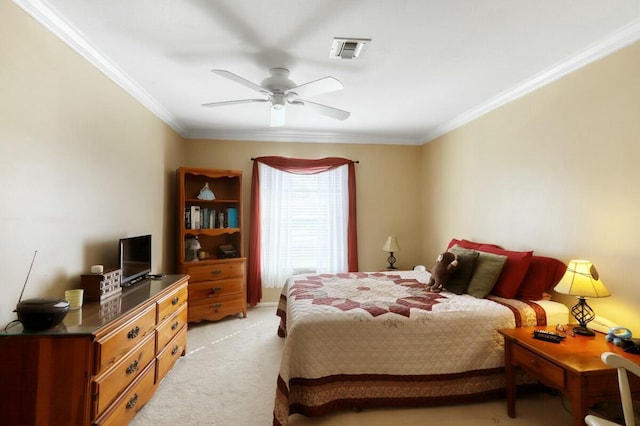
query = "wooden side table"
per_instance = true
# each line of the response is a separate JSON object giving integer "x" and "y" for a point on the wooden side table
{"x": 573, "y": 367}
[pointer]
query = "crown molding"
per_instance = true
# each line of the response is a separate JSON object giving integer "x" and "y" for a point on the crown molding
{"x": 306, "y": 137}
{"x": 40, "y": 11}
{"x": 625, "y": 36}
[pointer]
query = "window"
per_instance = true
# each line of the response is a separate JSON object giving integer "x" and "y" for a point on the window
{"x": 303, "y": 221}
{"x": 326, "y": 242}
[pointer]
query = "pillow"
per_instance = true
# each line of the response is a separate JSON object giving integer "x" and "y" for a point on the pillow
{"x": 488, "y": 269}
{"x": 543, "y": 274}
{"x": 469, "y": 244}
{"x": 459, "y": 280}
{"x": 513, "y": 272}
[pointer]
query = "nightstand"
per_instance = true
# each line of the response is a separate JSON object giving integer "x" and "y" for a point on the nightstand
{"x": 572, "y": 366}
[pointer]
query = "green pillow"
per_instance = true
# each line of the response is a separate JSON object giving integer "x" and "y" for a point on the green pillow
{"x": 459, "y": 280}
{"x": 488, "y": 269}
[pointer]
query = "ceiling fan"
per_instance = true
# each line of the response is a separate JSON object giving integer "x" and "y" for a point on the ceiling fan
{"x": 279, "y": 91}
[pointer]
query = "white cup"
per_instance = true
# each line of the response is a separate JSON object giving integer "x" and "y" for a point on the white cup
{"x": 74, "y": 297}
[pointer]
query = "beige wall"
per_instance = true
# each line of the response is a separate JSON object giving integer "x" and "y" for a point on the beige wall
{"x": 555, "y": 171}
{"x": 81, "y": 165}
{"x": 386, "y": 196}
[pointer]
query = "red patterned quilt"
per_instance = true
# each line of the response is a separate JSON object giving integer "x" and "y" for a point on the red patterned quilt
{"x": 362, "y": 339}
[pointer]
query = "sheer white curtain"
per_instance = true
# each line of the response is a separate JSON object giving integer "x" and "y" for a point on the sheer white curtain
{"x": 304, "y": 223}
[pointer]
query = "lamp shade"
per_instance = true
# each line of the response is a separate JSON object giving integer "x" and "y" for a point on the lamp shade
{"x": 391, "y": 245}
{"x": 582, "y": 279}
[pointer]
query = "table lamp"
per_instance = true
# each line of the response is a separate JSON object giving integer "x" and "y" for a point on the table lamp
{"x": 581, "y": 279}
{"x": 391, "y": 246}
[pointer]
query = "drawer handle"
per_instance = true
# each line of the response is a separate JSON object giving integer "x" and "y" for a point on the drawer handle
{"x": 216, "y": 271}
{"x": 132, "y": 368}
{"x": 175, "y": 350}
{"x": 132, "y": 402}
{"x": 134, "y": 332}
{"x": 175, "y": 300}
{"x": 216, "y": 306}
{"x": 175, "y": 325}
{"x": 216, "y": 289}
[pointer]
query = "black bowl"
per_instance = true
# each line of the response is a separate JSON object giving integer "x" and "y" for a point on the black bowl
{"x": 41, "y": 313}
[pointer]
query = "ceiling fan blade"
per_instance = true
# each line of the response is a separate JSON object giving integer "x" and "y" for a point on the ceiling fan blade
{"x": 328, "y": 111}
{"x": 240, "y": 101}
{"x": 241, "y": 80}
{"x": 317, "y": 87}
{"x": 277, "y": 117}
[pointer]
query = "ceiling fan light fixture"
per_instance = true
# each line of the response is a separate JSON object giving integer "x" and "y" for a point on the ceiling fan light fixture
{"x": 280, "y": 90}
{"x": 277, "y": 101}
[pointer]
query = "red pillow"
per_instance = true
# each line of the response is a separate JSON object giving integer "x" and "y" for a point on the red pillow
{"x": 471, "y": 245}
{"x": 513, "y": 272}
{"x": 543, "y": 274}
{"x": 453, "y": 242}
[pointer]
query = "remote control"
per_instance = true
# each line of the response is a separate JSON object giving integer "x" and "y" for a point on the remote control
{"x": 547, "y": 336}
{"x": 549, "y": 333}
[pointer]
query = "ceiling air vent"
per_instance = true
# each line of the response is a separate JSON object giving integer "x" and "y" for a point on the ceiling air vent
{"x": 348, "y": 48}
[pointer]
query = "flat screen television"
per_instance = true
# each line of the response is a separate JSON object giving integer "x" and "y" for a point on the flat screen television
{"x": 135, "y": 259}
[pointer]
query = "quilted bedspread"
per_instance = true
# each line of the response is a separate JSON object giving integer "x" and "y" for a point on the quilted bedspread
{"x": 348, "y": 333}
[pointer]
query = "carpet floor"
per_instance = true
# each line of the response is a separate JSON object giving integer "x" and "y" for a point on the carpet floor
{"x": 228, "y": 378}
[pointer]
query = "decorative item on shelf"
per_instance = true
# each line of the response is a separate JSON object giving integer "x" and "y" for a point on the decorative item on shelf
{"x": 391, "y": 246}
{"x": 206, "y": 193}
{"x": 228, "y": 251}
{"x": 191, "y": 246}
{"x": 582, "y": 280}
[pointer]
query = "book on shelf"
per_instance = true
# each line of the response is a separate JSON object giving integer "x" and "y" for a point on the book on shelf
{"x": 187, "y": 218}
{"x": 195, "y": 217}
{"x": 232, "y": 217}
{"x": 204, "y": 217}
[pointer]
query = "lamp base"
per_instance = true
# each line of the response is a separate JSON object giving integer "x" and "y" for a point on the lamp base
{"x": 583, "y": 313}
{"x": 391, "y": 259}
{"x": 583, "y": 331}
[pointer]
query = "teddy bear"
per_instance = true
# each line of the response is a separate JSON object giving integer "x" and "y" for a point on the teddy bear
{"x": 445, "y": 265}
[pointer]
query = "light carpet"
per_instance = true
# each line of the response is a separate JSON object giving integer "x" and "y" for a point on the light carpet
{"x": 228, "y": 378}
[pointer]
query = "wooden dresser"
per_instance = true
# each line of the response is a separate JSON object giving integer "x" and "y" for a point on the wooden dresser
{"x": 217, "y": 290}
{"x": 101, "y": 364}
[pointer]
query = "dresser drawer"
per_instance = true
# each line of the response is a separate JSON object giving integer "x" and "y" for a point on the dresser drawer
{"x": 215, "y": 288}
{"x": 107, "y": 387}
{"x": 170, "y": 354}
{"x": 168, "y": 329}
{"x": 216, "y": 271}
{"x": 169, "y": 304}
{"x": 134, "y": 398}
{"x": 216, "y": 308}
{"x": 116, "y": 344}
{"x": 549, "y": 373}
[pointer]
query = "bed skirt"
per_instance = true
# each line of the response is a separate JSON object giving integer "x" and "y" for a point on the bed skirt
{"x": 317, "y": 397}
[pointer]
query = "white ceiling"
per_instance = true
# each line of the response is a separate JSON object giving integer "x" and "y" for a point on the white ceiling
{"x": 432, "y": 65}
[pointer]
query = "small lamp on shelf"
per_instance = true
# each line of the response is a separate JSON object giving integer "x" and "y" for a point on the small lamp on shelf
{"x": 192, "y": 245}
{"x": 582, "y": 280}
{"x": 391, "y": 246}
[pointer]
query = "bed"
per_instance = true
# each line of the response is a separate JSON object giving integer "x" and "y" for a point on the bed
{"x": 357, "y": 340}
